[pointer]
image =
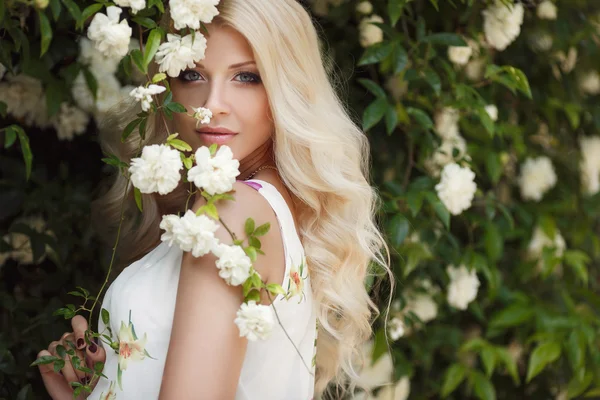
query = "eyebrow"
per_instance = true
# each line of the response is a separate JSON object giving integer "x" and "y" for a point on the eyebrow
{"x": 232, "y": 66}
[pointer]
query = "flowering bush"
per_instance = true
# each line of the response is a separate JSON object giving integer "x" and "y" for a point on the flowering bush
{"x": 484, "y": 123}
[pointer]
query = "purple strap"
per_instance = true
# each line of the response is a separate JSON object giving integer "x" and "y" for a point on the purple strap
{"x": 254, "y": 185}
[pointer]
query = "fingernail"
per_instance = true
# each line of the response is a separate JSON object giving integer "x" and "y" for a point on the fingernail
{"x": 93, "y": 347}
{"x": 80, "y": 342}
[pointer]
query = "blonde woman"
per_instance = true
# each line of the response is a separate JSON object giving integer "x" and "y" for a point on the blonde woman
{"x": 304, "y": 169}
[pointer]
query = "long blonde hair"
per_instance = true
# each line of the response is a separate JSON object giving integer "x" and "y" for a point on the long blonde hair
{"x": 323, "y": 158}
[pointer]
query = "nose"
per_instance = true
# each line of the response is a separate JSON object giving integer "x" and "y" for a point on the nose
{"x": 217, "y": 99}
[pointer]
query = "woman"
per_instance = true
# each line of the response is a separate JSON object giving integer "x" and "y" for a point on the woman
{"x": 264, "y": 80}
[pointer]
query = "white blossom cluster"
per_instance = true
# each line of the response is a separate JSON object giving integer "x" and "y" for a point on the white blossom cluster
{"x": 590, "y": 164}
{"x": 370, "y": 34}
{"x": 446, "y": 126}
{"x": 541, "y": 240}
{"x": 502, "y": 23}
{"x": 457, "y": 188}
{"x": 589, "y": 82}
{"x": 546, "y": 10}
{"x": 144, "y": 94}
{"x": 537, "y": 177}
{"x": 463, "y": 287}
{"x": 459, "y": 55}
{"x": 20, "y": 243}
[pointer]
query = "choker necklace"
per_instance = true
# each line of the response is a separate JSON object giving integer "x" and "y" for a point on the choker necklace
{"x": 260, "y": 169}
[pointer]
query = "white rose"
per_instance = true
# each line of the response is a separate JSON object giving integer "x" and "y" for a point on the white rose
{"x": 474, "y": 70}
{"x": 396, "y": 328}
{"x": 459, "y": 55}
{"x": 446, "y": 122}
{"x": 25, "y": 99}
{"x": 168, "y": 224}
{"x": 423, "y": 306}
{"x": 370, "y": 34}
{"x": 177, "y": 53}
{"x": 189, "y": 13}
{"x": 546, "y": 10}
{"x": 444, "y": 154}
{"x": 590, "y": 164}
{"x": 537, "y": 177}
{"x": 110, "y": 36}
{"x": 70, "y": 121}
{"x": 372, "y": 375}
{"x": 463, "y": 287}
{"x": 157, "y": 170}
{"x": 195, "y": 233}
{"x": 539, "y": 240}
{"x": 399, "y": 391}
{"x": 202, "y": 115}
{"x": 214, "y": 174}
{"x": 255, "y": 321}
{"x": 233, "y": 264}
{"x": 364, "y": 7}
{"x": 492, "y": 111}
{"x": 589, "y": 82}
{"x": 456, "y": 188}
{"x": 136, "y": 5}
{"x": 99, "y": 64}
{"x": 502, "y": 23}
{"x": 144, "y": 94}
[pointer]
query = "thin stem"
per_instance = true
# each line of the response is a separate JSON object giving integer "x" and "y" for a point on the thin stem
{"x": 228, "y": 230}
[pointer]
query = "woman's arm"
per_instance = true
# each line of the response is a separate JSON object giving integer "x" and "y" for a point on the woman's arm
{"x": 206, "y": 353}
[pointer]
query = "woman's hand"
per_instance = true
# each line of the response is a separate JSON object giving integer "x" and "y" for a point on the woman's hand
{"x": 58, "y": 384}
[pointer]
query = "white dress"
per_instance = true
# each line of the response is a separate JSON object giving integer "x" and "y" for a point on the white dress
{"x": 144, "y": 294}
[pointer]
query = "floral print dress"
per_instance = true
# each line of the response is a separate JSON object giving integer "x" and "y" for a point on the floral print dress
{"x": 140, "y": 305}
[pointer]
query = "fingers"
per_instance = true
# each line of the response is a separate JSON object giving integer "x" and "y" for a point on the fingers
{"x": 56, "y": 385}
{"x": 79, "y": 325}
{"x": 69, "y": 371}
{"x": 95, "y": 353}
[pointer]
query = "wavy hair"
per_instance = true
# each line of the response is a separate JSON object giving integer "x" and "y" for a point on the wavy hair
{"x": 323, "y": 158}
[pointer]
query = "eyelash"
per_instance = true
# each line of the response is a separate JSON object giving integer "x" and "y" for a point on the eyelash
{"x": 256, "y": 78}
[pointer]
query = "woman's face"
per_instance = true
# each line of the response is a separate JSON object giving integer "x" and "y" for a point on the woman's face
{"x": 228, "y": 83}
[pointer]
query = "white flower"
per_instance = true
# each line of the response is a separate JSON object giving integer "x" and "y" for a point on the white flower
{"x": 474, "y": 70}
{"x": 70, "y": 121}
{"x": 590, "y": 164}
{"x": 233, "y": 264}
{"x": 372, "y": 375}
{"x": 157, "y": 170}
{"x": 399, "y": 391}
{"x": 25, "y": 99}
{"x": 589, "y": 82}
{"x": 463, "y": 287}
{"x": 195, "y": 233}
{"x": 502, "y": 23}
{"x": 144, "y": 94}
{"x": 546, "y": 10}
{"x": 539, "y": 240}
{"x": 110, "y": 36}
{"x": 423, "y": 306}
{"x": 567, "y": 61}
{"x": 130, "y": 349}
{"x": 136, "y": 5}
{"x": 446, "y": 122}
{"x": 370, "y": 34}
{"x": 364, "y": 7}
{"x": 177, "y": 53}
{"x": 541, "y": 41}
{"x": 214, "y": 174}
{"x": 444, "y": 154}
{"x": 99, "y": 64}
{"x": 20, "y": 243}
{"x": 459, "y": 55}
{"x": 107, "y": 95}
{"x": 537, "y": 177}
{"x": 396, "y": 328}
{"x": 202, "y": 115}
{"x": 168, "y": 224}
{"x": 255, "y": 321}
{"x": 492, "y": 111}
{"x": 189, "y": 13}
{"x": 456, "y": 188}
{"x": 2, "y": 70}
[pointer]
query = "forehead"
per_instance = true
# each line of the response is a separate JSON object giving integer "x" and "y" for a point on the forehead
{"x": 225, "y": 45}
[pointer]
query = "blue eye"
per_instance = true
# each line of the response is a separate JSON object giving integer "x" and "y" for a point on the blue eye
{"x": 251, "y": 78}
{"x": 189, "y": 75}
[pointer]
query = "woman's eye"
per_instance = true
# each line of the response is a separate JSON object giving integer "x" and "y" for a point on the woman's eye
{"x": 248, "y": 77}
{"x": 189, "y": 75}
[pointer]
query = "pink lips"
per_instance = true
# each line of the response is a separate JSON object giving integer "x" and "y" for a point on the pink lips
{"x": 218, "y": 135}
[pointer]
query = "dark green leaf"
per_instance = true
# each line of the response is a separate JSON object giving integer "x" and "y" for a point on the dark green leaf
{"x": 494, "y": 244}
{"x": 176, "y": 107}
{"x": 488, "y": 358}
{"x": 46, "y": 31}
{"x": 484, "y": 389}
{"x": 129, "y": 128}
{"x": 138, "y": 198}
{"x": 151, "y": 47}
{"x": 376, "y": 53}
{"x": 91, "y": 81}
{"x": 372, "y": 87}
{"x": 421, "y": 117}
{"x": 399, "y": 228}
{"x": 400, "y": 58}
{"x": 513, "y": 315}
{"x": 444, "y": 38}
{"x": 433, "y": 79}
{"x": 374, "y": 112}
{"x": 145, "y": 22}
{"x": 453, "y": 377}
{"x": 391, "y": 119}
{"x": 544, "y": 354}
{"x": 73, "y": 9}
{"x": 90, "y": 10}
{"x": 138, "y": 60}
{"x": 439, "y": 208}
{"x": 395, "y": 8}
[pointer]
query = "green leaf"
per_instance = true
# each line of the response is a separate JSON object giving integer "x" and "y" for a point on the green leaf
{"x": 180, "y": 145}
{"x": 439, "y": 208}
{"x": 9, "y": 138}
{"x": 515, "y": 314}
{"x": 44, "y": 360}
{"x": 578, "y": 260}
{"x": 176, "y": 107}
{"x": 414, "y": 253}
{"x": 138, "y": 198}
{"x": 494, "y": 244}
{"x": 376, "y": 53}
{"x": 145, "y": 22}
{"x": 578, "y": 385}
{"x": 91, "y": 82}
{"x": 73, "y": 9}
{"x": 374, "y": 112}
{"x": 399, "y": 228}
{"x": 138, "y": 59}
{"x": 544, "y": 354}
{"x": 151, "y": 46}
{"x": 105, "y": 317}
{"x": 435, "y": 5}
{"x": 161, "y": 76}
{"x": 509, "y": 76}
{"x": 444, "y": 38}
{"x": 493, "y": 165}
{"x": 484, "y": 389}
{"x": 488, "y": 358}
{"x": 575, "y": 347}
{"x": 46, "y": 31}
{"x": 391, "y": 119}
{"x": 251, "y": 252}
{"x": 55, "y": 7}
{"x": 510, "y": 363}
{"x": 372, "y": 87}
{"x": 486, "y": 120}
{"x": 129, "y": 128}
{"x": 90, "y": 10}
{"x": 453, "y": 377}
{"x": 395, "y": 9}
{"x": 249, "y": 226}
{"x": 421, "y": 117}
{"x": 275, "y": 288}
{"x": 399, "y": 58}
{"x": 433, "y": 79}
{"x": 414, "y": 199}
{"x": 25, "y": 148}
{"x": 263, "y": 229}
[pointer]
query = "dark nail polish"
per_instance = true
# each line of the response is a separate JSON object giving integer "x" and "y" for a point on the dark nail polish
{"x": 93, "y": 347}
{"x": 80, "y": 342}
